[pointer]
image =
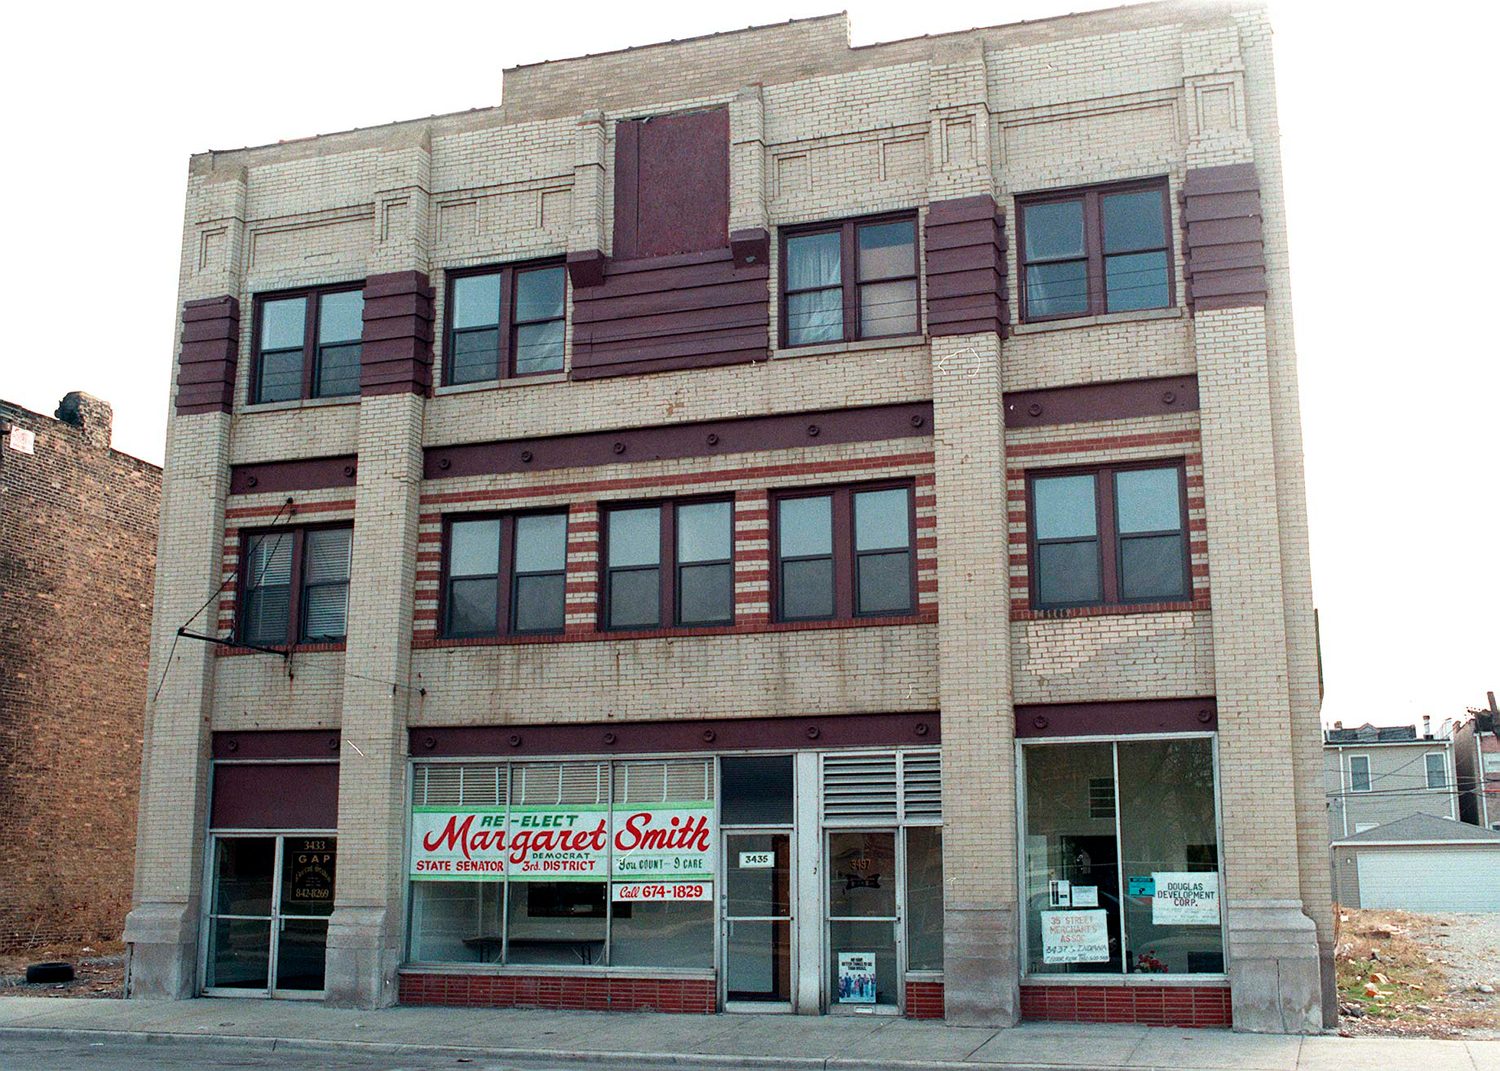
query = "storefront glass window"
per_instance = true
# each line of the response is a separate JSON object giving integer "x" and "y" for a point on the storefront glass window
{"x": 557, "y": 922}
{"x": 757, "y": 790}
{"x": 924, "y": 898}
{"x": 662, "y": 935}
{"x": 1122, "y": 827}
{"x": 456, "y": 921}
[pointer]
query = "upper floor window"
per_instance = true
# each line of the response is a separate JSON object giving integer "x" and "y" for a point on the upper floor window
{"x": 505, "y": 574}
{"x": 1110, "y": 535}
{"x": 846, "y": 281}
{"x": 844, "y": 553}
{"x": 1437, "y": 769}
{"x": 505, "y": 322}
{"x": 1359, "y": 773}
{"x": 669, "y": 563}
{"x": 294, "y": 585}
{"x": 307, "y": 344}
{"x": 1086, "y": 252}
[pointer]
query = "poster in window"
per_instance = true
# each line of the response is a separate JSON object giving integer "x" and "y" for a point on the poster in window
{"x": 663, "y": 841}
{"x": 312, "y": 867}
{"x": 461, "y": 845}
{"x": 856, "y": 978}
{"x": 558, "y": 843}
{"x": 1184, "y": 899}
{"x": 1075, "y": 937}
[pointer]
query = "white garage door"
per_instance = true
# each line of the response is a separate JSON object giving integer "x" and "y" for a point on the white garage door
{"x": 1441, "y": 879}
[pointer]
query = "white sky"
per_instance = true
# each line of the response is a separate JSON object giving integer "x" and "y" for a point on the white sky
{"x": 1387, "y": 118}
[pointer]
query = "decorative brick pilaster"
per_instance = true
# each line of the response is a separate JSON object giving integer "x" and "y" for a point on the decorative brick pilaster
{"x": 752, "y": 557}
{"x": 582, "y": 583}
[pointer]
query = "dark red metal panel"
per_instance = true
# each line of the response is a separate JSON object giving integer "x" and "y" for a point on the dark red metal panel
{"x": 644, "y": 738}
{"x": 867, "y": 424}
{"x": 275, "y": 795}
{"x": 1223, "y": 242}
{"x": 278, "y": 744}
{"x": 396, "y": 351}
{"x": 672, "y": 184}
{"x": 1101, "y": 401}
{"x": 305, "y": 474}
{"x": 210, "y": 353}
{"x": 965, "y": 266}
{"x": 1121, "y": 718}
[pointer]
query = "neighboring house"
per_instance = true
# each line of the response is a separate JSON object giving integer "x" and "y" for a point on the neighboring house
{"x": 1476, "y": 753}
{"x": 1378, "y": 774}
{"x": 77, "y": 562}
{"x": 1419, "y": 863}
{"x": 858, "y": 487}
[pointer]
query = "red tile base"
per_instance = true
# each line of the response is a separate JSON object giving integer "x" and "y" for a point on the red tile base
{"x": 692, "y": 995}
{"x": 1205, "y": 1006}
{"x": 924, "y": 1000}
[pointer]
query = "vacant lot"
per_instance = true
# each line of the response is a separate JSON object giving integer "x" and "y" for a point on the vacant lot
{"x": 1419, "y": 975}
{"x": 100, "y": 971}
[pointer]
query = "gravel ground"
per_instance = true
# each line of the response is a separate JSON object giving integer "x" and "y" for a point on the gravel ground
{"x": 1468, "y": 945}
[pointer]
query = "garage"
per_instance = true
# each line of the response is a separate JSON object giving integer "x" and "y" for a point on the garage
{"x": 1422, "y": 864}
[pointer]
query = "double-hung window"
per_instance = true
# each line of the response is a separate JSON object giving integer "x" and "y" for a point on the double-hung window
{"x": 307, "y": 344}
{"x": 1359, "y": 773}
{"x": 844, "y": 553}
{"x": 1104, "y": 249}
{"x": 505, "y": 574}
{"x": 294, "y": 585}
{"x": 1437, "y": 769}
{"x": 1114, "y": 535}
{"x": 669, "y": 563}
{"x": 505, "y": 322}
{"x": 848, "y": 281}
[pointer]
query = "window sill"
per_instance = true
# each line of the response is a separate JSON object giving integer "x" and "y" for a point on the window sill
{"x": 1044, "y": 326}
{"x": 299, "y": 403}
{"x": 295, "y": 649}
{"x": 1023, "y": 612}
{"x": 500, "y": 384}
{"x": 820, "y": 349}
{"x": 602, "y": 635}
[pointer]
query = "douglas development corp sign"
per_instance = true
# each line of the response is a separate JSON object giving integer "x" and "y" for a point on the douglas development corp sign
{"x": 667, "y": 846}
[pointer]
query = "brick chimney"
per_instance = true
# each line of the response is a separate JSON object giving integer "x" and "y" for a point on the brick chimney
{"x": 90, "y": 415}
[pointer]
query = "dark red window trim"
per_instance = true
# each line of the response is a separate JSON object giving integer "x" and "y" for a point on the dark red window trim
{"x": 505, "y": 361}
{"x": 295, "y": 595}
{"x": 309, "y": 336}
{"x": 1108, "y": 538}
{"x": 669, "y": 610}
{"x": 1093, "y": 242}
{"x": 506, "y": 579}
{"x": 844, "y": 554}
{"x": 849, "y": 269}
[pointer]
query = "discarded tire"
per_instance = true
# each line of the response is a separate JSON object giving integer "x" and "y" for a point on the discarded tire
{"x": 38, "y": 973}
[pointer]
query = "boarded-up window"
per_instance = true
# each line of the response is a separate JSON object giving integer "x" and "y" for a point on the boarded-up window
{"x": 672, "y": 184}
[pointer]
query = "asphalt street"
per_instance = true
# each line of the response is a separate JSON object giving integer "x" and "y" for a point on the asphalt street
{"x": 17, "y": 1054}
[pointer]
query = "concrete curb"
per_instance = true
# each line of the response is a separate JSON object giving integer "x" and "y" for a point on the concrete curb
{"x": 633, "y": 1061}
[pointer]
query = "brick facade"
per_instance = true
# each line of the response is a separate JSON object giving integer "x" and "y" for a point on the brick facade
{"x": 947, "y": 131}
{"x": 77, "y": 561}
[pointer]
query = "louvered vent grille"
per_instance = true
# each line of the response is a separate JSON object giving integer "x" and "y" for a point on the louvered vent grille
{"x": 922, "y": 784}
{"x": 561, "y": 782}
{"x": 859, "y": 786}
{"x": 481, "y": 784}
{"x": 664, "y": 782}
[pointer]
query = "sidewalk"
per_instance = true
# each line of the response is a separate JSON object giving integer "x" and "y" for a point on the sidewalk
{"x": 644, "y": 1041}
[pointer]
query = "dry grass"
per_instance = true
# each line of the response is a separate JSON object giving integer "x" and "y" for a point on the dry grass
{"x": 100, "y": 971}
{"x": 1388, "y": 971}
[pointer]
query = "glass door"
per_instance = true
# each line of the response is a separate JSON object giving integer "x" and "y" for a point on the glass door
{"x": 270, "y": 898}
{"x": 757, "y": 944}
{"x": 864, "y": 922}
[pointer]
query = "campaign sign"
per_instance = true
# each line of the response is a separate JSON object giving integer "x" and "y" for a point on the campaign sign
{"x": 676, "y": 892}
{"x": 663, "y": 842}
{"x": 1075, "y": 937}
{"x": 1184, "y": 899}
{"x": 468, "y": 845}
{"x": 558, "y": 843}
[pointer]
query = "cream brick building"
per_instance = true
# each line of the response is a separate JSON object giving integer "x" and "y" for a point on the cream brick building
{"x": 751, "y": 522}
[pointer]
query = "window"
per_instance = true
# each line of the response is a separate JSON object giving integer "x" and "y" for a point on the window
{"x": 307, "y": 344}
{"x": 505, "y": 574}
{"x": 1359, "y": 773}
{"x": 849, "y": 281}
{"x": 1094, "y": 251}
{"x": 1114, "y": 535}
{"x": 1437, "y": 769}
{"x": 669, "y": 563}
{"x": 294, "y": 586}
{"x": 844, "y": 553}
{"x": 1132, "y": 888}
{"x": 505, "y": 322}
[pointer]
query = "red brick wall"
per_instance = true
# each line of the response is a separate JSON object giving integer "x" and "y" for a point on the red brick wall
{"x": 1144, "y": 1005}
{"x": 77, "y": 563}
{"x": 596, "y": 993}
{"x": 924, "y": 1000}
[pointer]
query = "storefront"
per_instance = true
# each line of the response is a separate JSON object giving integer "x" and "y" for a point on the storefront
{"x": 798, "y": 881}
